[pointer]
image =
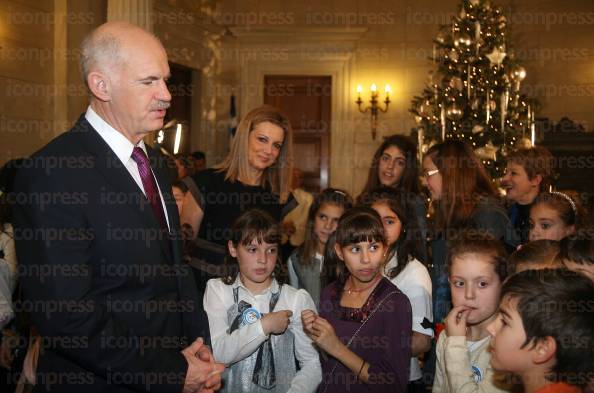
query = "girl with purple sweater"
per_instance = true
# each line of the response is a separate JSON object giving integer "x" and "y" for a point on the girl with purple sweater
{"x": 364, "y": 325}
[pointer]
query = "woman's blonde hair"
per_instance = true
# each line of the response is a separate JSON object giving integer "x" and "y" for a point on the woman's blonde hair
{"x": 278, "y": 175}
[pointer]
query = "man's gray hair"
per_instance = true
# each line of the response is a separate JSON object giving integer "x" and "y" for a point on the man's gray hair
{"x": 99, "y": 52}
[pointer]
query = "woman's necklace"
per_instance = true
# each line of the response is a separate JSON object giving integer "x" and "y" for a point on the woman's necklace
{"x": 375, "y": 280}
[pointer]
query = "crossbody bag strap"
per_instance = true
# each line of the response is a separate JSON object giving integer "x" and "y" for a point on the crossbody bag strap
{"x": 357, "y": 332}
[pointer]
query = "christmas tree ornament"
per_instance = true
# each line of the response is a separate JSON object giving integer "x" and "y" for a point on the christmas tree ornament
{"x": 425, "y": 109}
{"x": 420, "y": 142}
{"x": 503, "y": 112}
{"x": 532, "y": 126}
{"x": 526, "y": 121}
{"x": 477, "y": 129}
{"x": 502, "y": 21}
{"x": 524, "y": 143}
{"x": 496, "y": 57}
{"x": 454, "y": 55}
{"x": 442, "y": 118}
{"x": 477, "y": 36}
{"x": 504, "y": 104}
{"x": 441, "y": 37}
{"x": 456, "y": 83}
{"x": 488, "y": 106}
{"x": 468, "y": 82}
{"x": 487, "y": 152}
{"x": 462, "y": 40}
{"x": 454, "y": 112}
{"x": 518, "y": 73}
{"x": 474, "y": 2}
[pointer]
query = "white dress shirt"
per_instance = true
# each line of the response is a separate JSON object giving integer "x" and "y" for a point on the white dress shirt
{"x": 123, "y": 149}
{"x": 241, "y": 343}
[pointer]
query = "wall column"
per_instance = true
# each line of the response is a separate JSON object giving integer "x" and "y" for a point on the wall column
{"x": 60, "y": 101}
{"x": 138, "y": 12}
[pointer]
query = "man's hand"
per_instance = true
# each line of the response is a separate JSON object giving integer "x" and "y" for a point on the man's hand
{"x": 204, "y": 375}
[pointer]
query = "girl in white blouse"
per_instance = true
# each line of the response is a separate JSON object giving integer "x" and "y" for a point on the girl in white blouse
{"x": 255, "y": 320}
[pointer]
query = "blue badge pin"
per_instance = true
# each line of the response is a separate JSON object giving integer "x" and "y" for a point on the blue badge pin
{"x": 250, "y": 315}
{"x": 477, "y": 374}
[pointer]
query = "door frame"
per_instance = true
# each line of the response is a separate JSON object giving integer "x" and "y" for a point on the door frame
{"x": 307, "y": 51}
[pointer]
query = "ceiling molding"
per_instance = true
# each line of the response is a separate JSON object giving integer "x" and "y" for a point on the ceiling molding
{"x": 283, "y": 34}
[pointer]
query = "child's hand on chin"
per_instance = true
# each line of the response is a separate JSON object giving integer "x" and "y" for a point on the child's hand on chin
{"x": 456, "y": 321}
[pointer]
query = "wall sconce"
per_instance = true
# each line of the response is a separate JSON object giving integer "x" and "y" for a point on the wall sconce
{"x": 374, "y": 108}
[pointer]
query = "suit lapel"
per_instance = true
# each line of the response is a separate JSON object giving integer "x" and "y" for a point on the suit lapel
{"x": 106, "y": 161}
{"x": 116, "y": 174}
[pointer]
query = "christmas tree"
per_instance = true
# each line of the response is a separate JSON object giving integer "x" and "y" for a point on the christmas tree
{"x": 473, "y": 94}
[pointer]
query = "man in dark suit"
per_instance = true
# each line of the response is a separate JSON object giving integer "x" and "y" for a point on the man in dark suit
{"x": 97, "y": 235}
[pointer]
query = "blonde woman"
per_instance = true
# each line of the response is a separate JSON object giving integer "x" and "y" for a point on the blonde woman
{"x": 255, "y": 174}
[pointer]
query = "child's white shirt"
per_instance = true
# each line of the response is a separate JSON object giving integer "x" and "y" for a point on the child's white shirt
{"x": 464, "y": 367}
{"x": 241, "y": 343}
{"x": 415, "y": 282}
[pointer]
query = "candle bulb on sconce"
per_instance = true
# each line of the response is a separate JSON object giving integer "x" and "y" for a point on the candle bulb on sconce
{"x": 374, "y": 107}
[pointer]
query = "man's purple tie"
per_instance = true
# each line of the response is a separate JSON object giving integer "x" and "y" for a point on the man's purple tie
{"x": 150, "y": 185}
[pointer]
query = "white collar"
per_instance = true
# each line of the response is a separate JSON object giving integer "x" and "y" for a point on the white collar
{"x": 120, "y": 145}
{"x": 273, "y": 288}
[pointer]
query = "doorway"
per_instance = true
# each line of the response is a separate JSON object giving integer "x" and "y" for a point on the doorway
{"x": 306, "y": 100}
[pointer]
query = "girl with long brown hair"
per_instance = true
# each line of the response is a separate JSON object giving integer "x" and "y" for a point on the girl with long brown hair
{"x": 464, "y": 199}
{"x": 306, "y": 264}
{"x": 394, "y": 165}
